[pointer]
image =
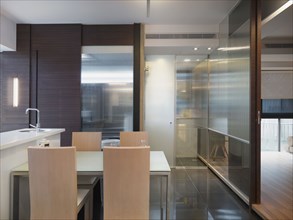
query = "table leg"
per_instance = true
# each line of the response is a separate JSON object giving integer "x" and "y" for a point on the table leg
{"x": 167, "y": 201}
{"x": 14, "y": 196}
{"x": 166, "y": 198}
{"x": 161, "y": 199}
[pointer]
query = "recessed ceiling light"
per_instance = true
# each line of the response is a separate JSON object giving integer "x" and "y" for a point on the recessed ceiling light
{"x": 197, "y": 60}
{"x": 186, "y": 60}
{"x": 209, "y": 48}
{"x": 195, "y": 48}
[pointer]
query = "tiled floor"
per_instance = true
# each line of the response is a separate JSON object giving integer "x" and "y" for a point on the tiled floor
{"x": 189, "y": 162}
{"x": 198, "y": 194}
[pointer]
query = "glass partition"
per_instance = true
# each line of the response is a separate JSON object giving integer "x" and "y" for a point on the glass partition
{"x": 107, "y": 89}
{"x": 223, "y": 132}
{"x": 229, "y": 82}
{"x": 191, "y": 107}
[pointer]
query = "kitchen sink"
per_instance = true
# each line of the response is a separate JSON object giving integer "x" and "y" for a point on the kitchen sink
{"x": 32, "y": 130}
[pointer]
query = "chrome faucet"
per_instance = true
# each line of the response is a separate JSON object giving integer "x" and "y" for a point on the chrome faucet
{"x": 38, "y": 125}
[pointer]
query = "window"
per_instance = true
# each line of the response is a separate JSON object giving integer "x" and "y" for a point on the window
{"x": 107, "y": 89}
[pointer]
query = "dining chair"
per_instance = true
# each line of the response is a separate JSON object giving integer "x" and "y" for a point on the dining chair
{"x": 53, "y": 184}
{"x": 88, "y": 141}
{"x": 126, "y": 182}
{"x": 134, "y": 138}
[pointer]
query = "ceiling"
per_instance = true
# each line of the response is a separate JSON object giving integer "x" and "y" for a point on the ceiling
{"x": 117, "y": 11}
{"x": 279, "y": 26}
{"x": 166, "y": 16}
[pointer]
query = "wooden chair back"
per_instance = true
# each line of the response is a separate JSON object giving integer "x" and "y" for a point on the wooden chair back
{"x": 52, "y": 182}
{"x": 126, "y": 182}
{"x": 87, "y": 141}
{"x": 134, "y": 138}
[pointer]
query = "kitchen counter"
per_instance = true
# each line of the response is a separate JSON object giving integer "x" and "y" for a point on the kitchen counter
{"x": 16, "y": 137}
{"x": 13, "y": 152}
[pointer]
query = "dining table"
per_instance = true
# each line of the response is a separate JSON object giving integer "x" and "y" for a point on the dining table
{"x": 88, "y": 163}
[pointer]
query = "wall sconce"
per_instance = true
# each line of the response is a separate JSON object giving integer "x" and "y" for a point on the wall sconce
{"x": 15, "y": 92}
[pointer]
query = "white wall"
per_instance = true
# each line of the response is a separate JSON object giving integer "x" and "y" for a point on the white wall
{"x": 7, "y": 34}
{"x": 277, "y": 84}
{"x": 160, "y": 104}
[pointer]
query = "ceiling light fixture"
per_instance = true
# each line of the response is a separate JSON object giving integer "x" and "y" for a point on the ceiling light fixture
{"x": 209, "y": 48}
{"x": 195, "y": 48}
{"x": 186, "y": 60}
{"x": 233, "y": 48}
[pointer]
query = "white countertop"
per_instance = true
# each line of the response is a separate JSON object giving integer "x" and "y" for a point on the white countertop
{"x": 13, "y": 138}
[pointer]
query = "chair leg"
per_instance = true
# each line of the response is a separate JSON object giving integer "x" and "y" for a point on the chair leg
{"x": 225, "y": 151}
{"x": 84, "y": 213}
{"x": 88, "y": 213}
{"x": 97, "y": 200}
{"x": 89, "y": 205}
{"x": 102, "y": 190}
{"x": 215, "y": 152}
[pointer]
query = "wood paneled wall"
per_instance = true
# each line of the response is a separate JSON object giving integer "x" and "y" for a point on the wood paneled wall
{"x": 15, "y": 64}
{"x": 56, "y": 65}
{"x": 107, "y": 35}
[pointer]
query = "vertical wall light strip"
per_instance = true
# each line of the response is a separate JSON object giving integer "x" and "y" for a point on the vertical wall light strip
{"x": 15, "y": 92}
{"x": 148, "y": 8}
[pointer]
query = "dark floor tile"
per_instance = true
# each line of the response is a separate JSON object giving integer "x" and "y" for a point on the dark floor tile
{"x": 220, "y": 201}
{"x": 189, "y": 161}
{"x": 191, "y": 202}
{"x": 185, "y": 188}
{"x": 191, "y": 214}
{"x": 231, "y": 214}
{"x": 179, "y": 174}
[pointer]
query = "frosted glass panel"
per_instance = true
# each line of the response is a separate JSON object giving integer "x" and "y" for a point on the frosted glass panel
{"x": 224, "y": 141}
{"x": 200, "y": 89}
{"x": 229, "y": 84}
{"x": 191, "y": 105}
{"x": 160, "y": 103}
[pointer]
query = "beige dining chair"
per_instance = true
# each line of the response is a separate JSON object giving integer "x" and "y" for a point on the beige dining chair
{"x": 87, "y": 141}
{"x": 53, "y": 184}
{"x": 126, "y": 182}
{"x": 134, "y": 138}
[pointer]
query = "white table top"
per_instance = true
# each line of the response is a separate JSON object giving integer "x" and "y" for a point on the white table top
{"x": 89, "y": 162}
